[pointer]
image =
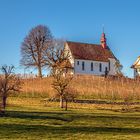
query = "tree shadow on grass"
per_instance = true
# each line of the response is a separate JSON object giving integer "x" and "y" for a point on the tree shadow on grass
{"x": 36, "y": 115}
{"x": 67, "y": 117}
{"x": 25, "y": 128}
{"x": 105, "y": 116}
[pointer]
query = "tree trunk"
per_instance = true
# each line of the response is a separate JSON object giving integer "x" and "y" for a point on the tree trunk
{"x": 4, "y": 103}
{"x": 66, "y": 105}
{"x": 61, "y": 101}
{"x": 0, "y": 105}
{"x": 39, "y": 72}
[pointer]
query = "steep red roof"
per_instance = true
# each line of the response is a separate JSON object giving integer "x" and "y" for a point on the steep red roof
{"x": 89, "y": 51}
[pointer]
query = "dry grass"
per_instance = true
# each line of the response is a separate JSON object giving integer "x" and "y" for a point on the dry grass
{"x": 88, "y": 87}
{"x": 38, "y": 87}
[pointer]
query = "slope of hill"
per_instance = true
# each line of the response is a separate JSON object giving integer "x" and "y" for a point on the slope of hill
{"x": 88, "y": 87}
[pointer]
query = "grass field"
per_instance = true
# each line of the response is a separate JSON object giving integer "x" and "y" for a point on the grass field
{"x": 33, "y": 119}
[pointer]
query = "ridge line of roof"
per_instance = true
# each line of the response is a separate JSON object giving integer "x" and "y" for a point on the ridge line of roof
{"x": 83, "y": 43}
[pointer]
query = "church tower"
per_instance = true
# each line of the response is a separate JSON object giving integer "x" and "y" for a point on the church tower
{"x": 103, "y": 41}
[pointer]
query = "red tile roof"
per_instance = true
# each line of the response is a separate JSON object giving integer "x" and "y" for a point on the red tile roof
{"x": 90, "y": 51}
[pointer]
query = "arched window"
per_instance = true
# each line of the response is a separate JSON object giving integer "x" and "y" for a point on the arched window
{"x": 100, "y": 67}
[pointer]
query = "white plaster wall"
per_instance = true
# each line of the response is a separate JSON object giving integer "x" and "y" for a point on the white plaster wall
{"x": 138, "y": 62}
{"x": 70, "y": 54}
{"x": 136, "y": 72}
{"x": 137, "y": 67}
{"x": 113, "y": 68}
{"x": 87, "y": 70}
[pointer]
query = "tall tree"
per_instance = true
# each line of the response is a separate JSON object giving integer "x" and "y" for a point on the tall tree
{"x": 8, "y": 82}
{"x": 35, "y": 44}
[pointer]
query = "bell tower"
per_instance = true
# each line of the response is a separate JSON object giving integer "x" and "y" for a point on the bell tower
{"x": 103, "y": 40}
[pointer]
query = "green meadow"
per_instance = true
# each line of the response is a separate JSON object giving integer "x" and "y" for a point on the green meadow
{"x": 34, "y": 119}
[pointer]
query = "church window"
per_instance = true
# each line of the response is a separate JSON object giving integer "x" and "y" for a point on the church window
{"x": 91, "y": 66}
{"x": 100, "y": 67}
{"x": 77, "y": 62}
{"x": 83, "y": 65}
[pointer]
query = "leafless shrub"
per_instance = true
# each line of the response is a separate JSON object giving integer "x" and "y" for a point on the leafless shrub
{"x": 9, "y": 82}
{"x": 58, "y": 60}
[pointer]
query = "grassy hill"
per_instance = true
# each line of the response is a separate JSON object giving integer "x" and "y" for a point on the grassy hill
{"x": 88, "y": 87}
{"x": 30, "y": 116}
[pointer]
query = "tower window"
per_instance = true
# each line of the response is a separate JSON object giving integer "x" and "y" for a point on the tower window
{"x": 91, "y": 66}
{"x": 100, "y": 67}
{"x": 83, "y": 65}
{"x": 77, "y": 62}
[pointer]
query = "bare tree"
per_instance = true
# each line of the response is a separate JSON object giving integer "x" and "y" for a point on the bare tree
{"x": 8, "y": 82}
{"x": 35, "y": 44}
{"x": 118, "y": 68}
{"x": 69, "y": 95}
{"x": 60, "y": 84}
{"x": 59, "y": 63}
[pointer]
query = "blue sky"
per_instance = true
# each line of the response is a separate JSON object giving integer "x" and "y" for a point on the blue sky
{"x": 75, "y": 20}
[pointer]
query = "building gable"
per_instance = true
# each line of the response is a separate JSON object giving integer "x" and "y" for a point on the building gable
{"x": 136, "y": 63}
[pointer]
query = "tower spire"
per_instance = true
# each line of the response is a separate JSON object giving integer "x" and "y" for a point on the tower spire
{"x": 103, "y": 27}
{"x": 103, "y": 40}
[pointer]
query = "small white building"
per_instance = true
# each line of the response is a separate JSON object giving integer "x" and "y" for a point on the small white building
{"x": 92, "y": 58}
{"x": 136, "y": 67}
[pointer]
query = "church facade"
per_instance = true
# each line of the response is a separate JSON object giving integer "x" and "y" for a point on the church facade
{"x": 92, "y": 59}
{"x": 136, "y": 67}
